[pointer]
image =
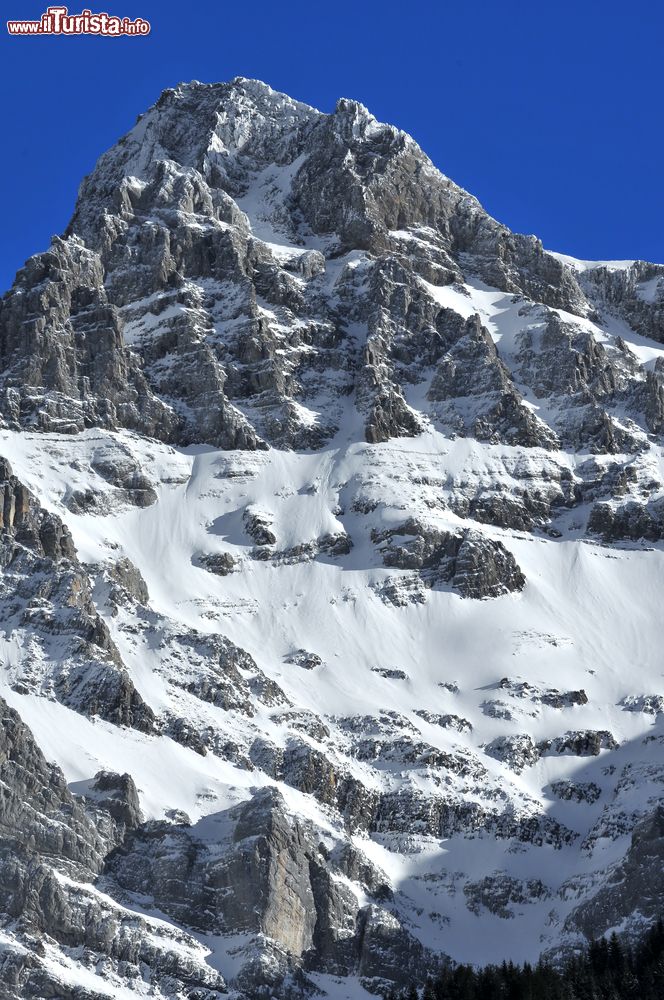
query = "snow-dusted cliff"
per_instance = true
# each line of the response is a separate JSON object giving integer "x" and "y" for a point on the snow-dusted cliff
{"x": 331, "y": 569}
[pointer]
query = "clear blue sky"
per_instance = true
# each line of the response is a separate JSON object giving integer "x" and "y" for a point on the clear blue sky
{"x": 551, "y": 114}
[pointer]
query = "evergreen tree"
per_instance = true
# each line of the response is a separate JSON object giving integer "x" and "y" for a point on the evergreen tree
{"x": 605, "y": 970}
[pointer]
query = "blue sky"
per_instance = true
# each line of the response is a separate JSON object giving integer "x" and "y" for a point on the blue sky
{"x": 551, "y": 114}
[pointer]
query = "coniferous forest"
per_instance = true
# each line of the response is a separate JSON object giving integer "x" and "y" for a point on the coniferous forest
{"x": 607, "y": 970}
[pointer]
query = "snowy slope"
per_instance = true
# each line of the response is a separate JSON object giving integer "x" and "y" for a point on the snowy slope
{"x": 485, "y": 745}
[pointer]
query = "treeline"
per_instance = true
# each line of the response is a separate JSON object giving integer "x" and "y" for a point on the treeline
{"x": 607, "y": 970}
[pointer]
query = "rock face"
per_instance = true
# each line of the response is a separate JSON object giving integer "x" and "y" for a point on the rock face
{"x": 118, "y": 324}
{"x": 330, "y": 561}
{"x": 634, "y": 885}
{"x": 266, "y": 877}
{"x": 46, "y": 597}
{"x": 474, "y": 565}
{"x": 53, "y": 847}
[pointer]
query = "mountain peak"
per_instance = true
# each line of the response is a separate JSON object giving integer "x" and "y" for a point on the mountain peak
{"x": 331, "y": 549}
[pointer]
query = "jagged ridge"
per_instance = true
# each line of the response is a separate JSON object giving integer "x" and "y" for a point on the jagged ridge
{"x": 312, "y": 462}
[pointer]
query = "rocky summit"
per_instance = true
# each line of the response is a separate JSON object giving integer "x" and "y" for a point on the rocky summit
{"x": 332, "y": 559}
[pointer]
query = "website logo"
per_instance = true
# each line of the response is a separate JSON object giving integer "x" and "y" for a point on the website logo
{"x": 58, "y": 21}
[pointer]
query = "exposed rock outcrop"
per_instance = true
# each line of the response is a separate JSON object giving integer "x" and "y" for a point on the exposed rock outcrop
{"x": 286, "y": 372}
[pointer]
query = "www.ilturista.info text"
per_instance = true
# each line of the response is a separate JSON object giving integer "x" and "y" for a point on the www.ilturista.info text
{"x": 58, "y": 21}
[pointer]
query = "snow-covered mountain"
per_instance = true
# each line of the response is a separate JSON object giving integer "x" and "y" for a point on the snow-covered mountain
{"x": 331, "y": 572}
